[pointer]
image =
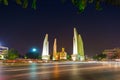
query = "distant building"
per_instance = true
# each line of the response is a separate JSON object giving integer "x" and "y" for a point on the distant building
{"x": 3, "y": 52}
{"x": 112, "y": 53}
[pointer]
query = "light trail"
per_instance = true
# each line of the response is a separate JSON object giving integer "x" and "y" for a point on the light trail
{"x": 58, "y": 71}
{"x": 34, "y": 68}
{"x": 112, "y": 64}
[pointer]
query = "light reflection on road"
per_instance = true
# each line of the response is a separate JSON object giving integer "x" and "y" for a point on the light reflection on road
{"x": 56, "y": 71}
{"x": 32, "y": 71}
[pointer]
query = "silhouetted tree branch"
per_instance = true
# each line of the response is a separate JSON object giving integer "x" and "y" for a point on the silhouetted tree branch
{"x": 80, "y": 4}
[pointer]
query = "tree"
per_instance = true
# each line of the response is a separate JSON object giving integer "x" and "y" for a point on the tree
{"x": 95, "y": 57}
{"x": 68, "y": 57}
{"x": 80, "y": 4}
{"x": 99, "y": 57}
{"x": 39, "y": 57}
{"x": 12, "y": 54}
{"x": 23, "y": 3}
{"x": 0, "y": 56}
{"x": 32, "y": 55}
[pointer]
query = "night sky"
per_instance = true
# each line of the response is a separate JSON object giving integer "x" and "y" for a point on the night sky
{"x": 23, "y": 29}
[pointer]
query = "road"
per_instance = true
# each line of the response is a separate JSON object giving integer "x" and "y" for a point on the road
{"x": 60, "y": 71}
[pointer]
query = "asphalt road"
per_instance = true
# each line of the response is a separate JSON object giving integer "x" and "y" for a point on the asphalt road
{"x": 59, "y": 71}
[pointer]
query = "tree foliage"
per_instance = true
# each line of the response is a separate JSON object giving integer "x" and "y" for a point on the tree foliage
{"x": 80, "y": 4}
{"x": 23, "y": 3}
{"x": 32, "y": 55}
{"x": 12, "y": 54}
{"x": 100, "y": 57}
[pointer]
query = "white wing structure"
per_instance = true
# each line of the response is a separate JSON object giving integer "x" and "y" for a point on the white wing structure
{"x": 78, "y": 49}
{"x": 45, "y": 52}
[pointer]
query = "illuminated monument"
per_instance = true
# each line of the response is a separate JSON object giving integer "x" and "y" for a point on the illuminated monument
{"x": 78, "y": 50}
{"x": 63, "y": 54}
{"x": 55, "y": 54}
{"x": 58, "y": 55}
{"x": 45, "y": 52}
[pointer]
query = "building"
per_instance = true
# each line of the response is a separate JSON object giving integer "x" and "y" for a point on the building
{"x": 3, "y": 52}
{"x": 112, "y": 53}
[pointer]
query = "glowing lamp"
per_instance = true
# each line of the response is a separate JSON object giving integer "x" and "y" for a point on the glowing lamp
{"x": 34, "y": 49}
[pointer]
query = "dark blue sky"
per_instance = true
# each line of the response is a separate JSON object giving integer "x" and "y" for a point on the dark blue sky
{"x": 25, "y": 28}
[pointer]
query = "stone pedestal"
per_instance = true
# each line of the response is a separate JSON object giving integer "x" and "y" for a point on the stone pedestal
{"x": 74, "y": 57}
{"x": 46, "y": 57}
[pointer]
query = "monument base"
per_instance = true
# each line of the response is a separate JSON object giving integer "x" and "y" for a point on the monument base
{"x": 76, "y": 57}
{"x": 46, "y": 57}
{"x": 82, "y": 58}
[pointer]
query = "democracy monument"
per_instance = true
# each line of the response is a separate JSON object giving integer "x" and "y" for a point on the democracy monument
{"x": 77, "y": 54}
{"x": 78, "y": 49}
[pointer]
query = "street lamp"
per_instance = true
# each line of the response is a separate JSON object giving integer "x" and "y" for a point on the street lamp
{"x": 34, "y": 49}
